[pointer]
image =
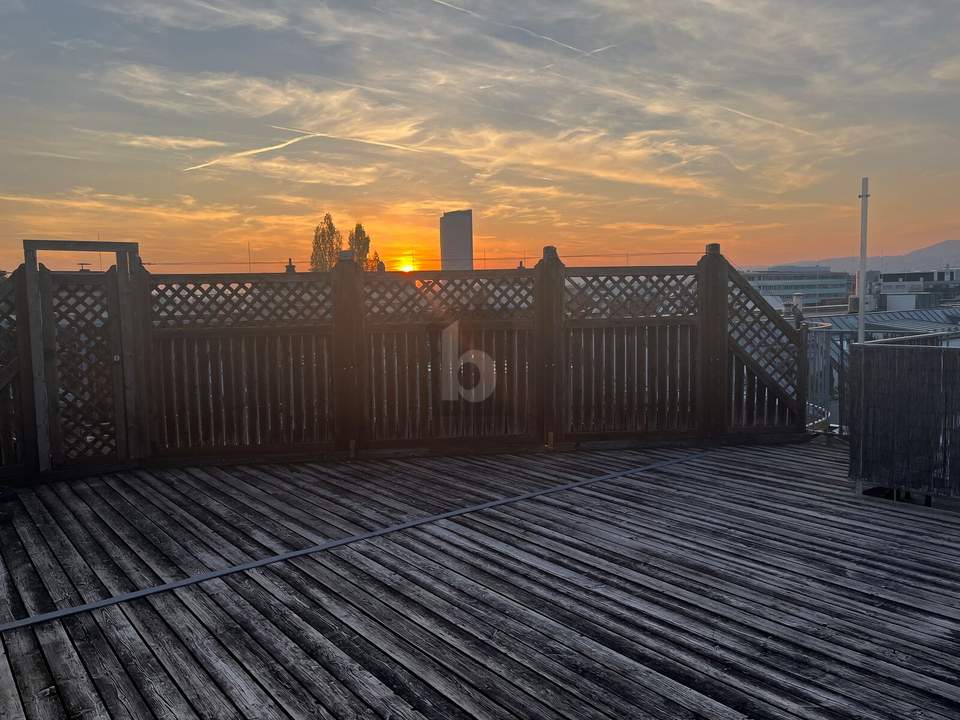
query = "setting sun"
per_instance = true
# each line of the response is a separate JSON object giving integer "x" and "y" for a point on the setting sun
{"x": 407, "y": 266}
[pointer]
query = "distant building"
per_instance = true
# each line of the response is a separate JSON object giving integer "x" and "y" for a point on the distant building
{"x": 908, "y": 301}
{"x": 456, "y": 240}
{"x": 816, "y": 284}
{"x": 913, "y": 290}
{"x": 942, "y": 282}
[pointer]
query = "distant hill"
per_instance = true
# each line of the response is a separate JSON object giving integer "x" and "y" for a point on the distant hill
{"x": 927, "y": 258}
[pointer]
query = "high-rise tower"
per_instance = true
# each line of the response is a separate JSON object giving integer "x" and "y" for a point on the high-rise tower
{"x": 456, "y": 240}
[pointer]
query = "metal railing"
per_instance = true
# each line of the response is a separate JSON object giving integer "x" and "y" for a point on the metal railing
{"x": 828, "y": 362}
{"x": 904, "y": 414}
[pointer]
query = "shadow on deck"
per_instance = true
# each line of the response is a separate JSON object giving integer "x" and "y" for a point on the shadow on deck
{"x": 734, "y": 582}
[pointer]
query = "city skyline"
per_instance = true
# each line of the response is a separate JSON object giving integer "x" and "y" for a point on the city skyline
{"x": 604, "y": 127}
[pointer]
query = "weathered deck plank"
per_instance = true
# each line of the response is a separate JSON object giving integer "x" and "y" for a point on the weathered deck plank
{"x": 12, "y": 708}
{"x": 744, "y": 582}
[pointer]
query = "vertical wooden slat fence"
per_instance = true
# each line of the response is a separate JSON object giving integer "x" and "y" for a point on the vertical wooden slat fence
{"x": 139, "y": 365}
{"x": 418, "y": 385}
{"x": 631, "y": 338}
{"x": 241, "y": 361}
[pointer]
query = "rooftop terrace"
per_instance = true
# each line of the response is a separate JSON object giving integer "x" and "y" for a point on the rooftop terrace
{"x": 726, "y": 583}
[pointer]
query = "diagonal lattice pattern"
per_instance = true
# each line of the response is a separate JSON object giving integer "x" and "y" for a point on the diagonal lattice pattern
{"x": 761, "y": 338}
{"x": 8, "y": 323}
{"x": 606, "y": 296}
{"x": 408, "y": 297}
{"x": 242, "y": 303}
{"x": 85, "y": 368}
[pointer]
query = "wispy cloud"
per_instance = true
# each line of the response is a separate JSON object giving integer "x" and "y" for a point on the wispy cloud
{"x": 157, "y": 142}
{"x": 89, "y": 200}
{"x": 947, "y": 69}
{"x": 309, "y": 170}
{"x": 195, "y": 14}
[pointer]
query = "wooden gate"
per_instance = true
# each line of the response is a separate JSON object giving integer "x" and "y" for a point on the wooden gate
{"x": 77, "y": 347}
{"x": 82, "y": 352}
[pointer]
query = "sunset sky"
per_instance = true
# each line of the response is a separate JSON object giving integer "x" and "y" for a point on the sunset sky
{"x": 601, "y": 126}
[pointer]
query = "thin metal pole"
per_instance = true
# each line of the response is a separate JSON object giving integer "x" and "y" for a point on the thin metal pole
{"x": 862, "y": 279}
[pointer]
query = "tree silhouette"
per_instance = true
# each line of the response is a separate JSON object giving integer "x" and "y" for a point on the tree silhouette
{"x": 359, "y": 242}
{"x": 327, "y": 243}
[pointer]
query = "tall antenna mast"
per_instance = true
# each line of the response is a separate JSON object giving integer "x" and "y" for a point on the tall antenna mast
{"x": 862, "y": 279}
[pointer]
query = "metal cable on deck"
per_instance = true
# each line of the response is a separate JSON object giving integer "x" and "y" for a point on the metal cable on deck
{"x": 329, "y": 545}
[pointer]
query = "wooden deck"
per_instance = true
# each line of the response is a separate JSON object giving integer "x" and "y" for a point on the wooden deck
{"x": 741, "y": 582}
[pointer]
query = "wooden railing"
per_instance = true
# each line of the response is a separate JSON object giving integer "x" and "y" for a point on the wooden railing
{"x": 630, "y": 339}
{"x": 139, "y": 366}
{"x": 768, "y": 360}
{"x": 239, "y": 361}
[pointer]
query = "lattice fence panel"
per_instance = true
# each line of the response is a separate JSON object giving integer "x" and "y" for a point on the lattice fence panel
{"x": 608, "y": 296}
{"x": 762, "y": 339}
{"x": 85, "y": 368}
{"x": 195, "y": 302}
{"x": 409, "y": 297}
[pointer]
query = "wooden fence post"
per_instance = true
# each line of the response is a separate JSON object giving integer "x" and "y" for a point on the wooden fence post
{"x": 548, "y": 330}
{"x": 133, "y": 294}
{"x": 149, "y": 388}
{"x": 26, "y": 328}
{"x": 32, "y": 362}
{"x": 347, "y": 353}
{"x": 714, "y": 382}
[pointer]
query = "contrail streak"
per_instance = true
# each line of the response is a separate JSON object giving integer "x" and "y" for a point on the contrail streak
{"x": 586, "y": 55}
{"x": 549, "y": 66}
{"x": 247, "y": 153}
{"x": 526, "y": 31}
{"x": 364, "y": 141}
{"x": 305, "y": 135}
{"x": 700, "y": 101}
{"x": 764, "y": 120}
